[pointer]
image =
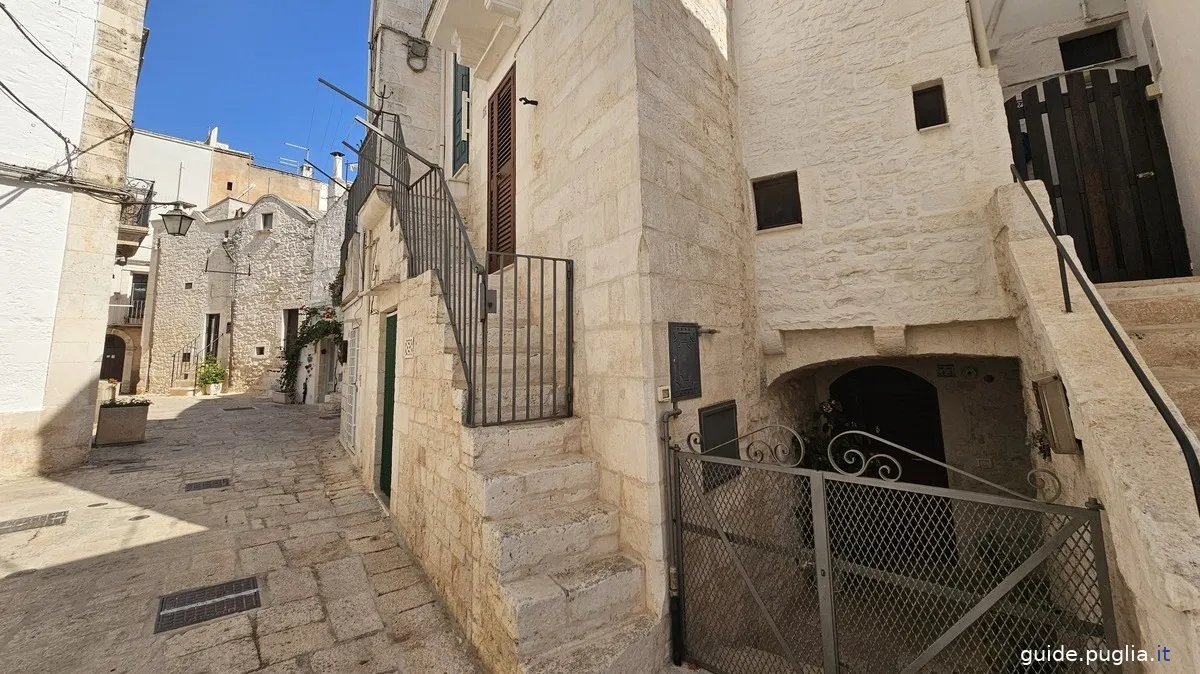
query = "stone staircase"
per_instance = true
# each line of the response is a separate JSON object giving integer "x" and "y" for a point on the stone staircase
{"x": 569, "y": 600}
{"x": 1162, "y": 318}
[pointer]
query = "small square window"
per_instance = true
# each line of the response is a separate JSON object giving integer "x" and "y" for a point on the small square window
{"x": 267, "y": 221}
{"x": 777, "y": 201}
{"x": 930, "y": 104}
{"x": 229, "y": 186}
{"x": 1088, "y": 50}
{"x": 260, "y": 350}
{"x": 187, "y": 286}
{"x": 187, "y": 357}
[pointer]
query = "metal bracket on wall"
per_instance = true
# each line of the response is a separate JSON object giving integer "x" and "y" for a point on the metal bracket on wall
{"x": 219, "y": 271}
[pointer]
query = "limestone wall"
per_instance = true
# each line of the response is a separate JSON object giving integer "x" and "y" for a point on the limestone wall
{"x": 1130, "y": 462}
{"x": 894, "y": 228}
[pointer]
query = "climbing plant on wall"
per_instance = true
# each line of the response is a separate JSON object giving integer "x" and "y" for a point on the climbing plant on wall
{"x": 319, "y": 323}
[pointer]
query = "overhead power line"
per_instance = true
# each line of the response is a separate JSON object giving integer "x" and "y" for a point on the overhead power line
{"x": 45, "y": 52}
{"x": 24, "y": 106}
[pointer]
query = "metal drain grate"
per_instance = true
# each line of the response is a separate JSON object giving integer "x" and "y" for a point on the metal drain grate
{"x": 34, "y": 522}
{"x": 196, "y": 606}
{"x": 206, "y": 484}
{"x": 236, "y": 409}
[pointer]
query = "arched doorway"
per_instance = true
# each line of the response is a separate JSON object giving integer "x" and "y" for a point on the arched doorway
{"x": 113, "y": 364}
{"x": 904, "y": 407}
{"x": 909, "y": 529}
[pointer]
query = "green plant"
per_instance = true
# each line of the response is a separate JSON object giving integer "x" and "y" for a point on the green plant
{"x": 126, "y": 402}
{"x": 210, "y": 372}
{"x": 1039, "y": 442}
{"x": 335, "y": 287}
{"x": 829, "y": 420}
{"x": 318, "y": 324}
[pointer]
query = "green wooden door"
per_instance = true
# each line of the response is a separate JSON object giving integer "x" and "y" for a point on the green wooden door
{"x": 389, "y": 408}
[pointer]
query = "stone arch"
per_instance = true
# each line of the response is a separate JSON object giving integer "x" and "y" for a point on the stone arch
{"x": 131, "y": 357}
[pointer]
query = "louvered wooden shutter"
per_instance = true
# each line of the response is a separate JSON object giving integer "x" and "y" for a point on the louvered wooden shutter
{"x": 462, "y": 88}
{"x": 502, "y": 225}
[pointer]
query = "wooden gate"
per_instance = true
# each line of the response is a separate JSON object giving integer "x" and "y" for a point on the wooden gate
{"x": 1099, "y": 147}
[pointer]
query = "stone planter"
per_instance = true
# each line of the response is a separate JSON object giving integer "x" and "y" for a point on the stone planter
{"x": 121, "y": 425}
{"x": 212, "y": 389}
{"x": 283, "y": 397}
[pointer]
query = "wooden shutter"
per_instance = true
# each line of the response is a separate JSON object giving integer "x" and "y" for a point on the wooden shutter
{"x": 502, "y": 226}
{"x": 462, "y": 87}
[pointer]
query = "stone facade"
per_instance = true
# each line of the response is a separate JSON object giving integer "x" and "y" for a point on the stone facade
{"x": 59, "y": 308}
{"x": 253, "y": 276}
{"x": 251, "y": 182}
{"x": 652, "y": 120}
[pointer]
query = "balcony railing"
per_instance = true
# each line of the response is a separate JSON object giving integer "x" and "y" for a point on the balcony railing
{"x": 131, "y": 313}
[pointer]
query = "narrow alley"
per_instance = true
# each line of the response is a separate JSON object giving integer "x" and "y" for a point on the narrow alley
{"x": 337, "y": 592}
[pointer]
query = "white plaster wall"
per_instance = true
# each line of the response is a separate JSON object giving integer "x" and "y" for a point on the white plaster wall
{"x": 33, "y": 220}
{"x": 893, "y": 228}
{"x": 1025, "y": 39}
{"x": 1175, "y": 24}
{"x": 159, "y": 158}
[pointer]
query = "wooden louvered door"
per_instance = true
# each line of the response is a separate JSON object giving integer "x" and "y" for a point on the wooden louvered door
{"x": 502, "y": 171}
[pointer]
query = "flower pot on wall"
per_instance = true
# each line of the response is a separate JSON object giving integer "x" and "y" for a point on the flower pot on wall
{"x": 121, "y": 425}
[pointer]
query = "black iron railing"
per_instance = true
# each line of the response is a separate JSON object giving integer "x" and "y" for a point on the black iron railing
{"x": 522, "y": 368}
{"x": 1172, "y": 418}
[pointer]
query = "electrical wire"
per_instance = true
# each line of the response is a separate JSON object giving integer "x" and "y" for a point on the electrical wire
{"x": 24, "y": 106}
{"x": 45, "y": 52}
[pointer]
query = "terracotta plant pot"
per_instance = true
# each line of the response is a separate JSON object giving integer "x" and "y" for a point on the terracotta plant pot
{"x": 122, "y": 425}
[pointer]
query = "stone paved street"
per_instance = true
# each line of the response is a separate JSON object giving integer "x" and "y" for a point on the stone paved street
{"x": 339, "y": 594}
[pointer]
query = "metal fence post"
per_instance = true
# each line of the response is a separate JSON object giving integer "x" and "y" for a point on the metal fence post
{"x": 824, "y": 573}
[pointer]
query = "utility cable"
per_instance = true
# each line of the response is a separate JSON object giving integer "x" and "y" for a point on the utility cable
{"x": 24, "y": 106}
{"x": 45, "y": 52}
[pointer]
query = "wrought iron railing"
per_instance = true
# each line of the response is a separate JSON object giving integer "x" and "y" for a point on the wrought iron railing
{"x": 136, "y": 211}
{"x": 1172, "y": 418}
{"x": 131, "y": 313}
{"x": 522, "y": 368}
{"x": 186, "y": 360}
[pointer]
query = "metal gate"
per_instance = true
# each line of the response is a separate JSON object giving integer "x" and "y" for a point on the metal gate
{"x": 778, "y": 568}
{"x": 1100, "y": 148}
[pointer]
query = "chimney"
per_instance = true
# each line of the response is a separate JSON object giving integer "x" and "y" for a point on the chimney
{"x": 306, "y": 170}
{"x": 339, "y": 182}
{"x": 211, "y": 141}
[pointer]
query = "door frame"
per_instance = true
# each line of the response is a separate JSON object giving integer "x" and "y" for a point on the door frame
{"x": 385, "y": 450}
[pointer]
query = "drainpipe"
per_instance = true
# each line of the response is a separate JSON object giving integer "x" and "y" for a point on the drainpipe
{"x": 979, "y": 31}
{"x": 1084, "y": 9}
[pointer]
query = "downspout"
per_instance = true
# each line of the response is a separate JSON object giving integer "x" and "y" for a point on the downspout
{"x": 979, "y": 30}
{"x": 1084, "y": 9}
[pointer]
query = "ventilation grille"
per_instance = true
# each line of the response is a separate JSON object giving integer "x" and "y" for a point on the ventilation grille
{"x": 34, "y": 522}
{"x": 207, "y": 603}
{"x": 206, "y": 484}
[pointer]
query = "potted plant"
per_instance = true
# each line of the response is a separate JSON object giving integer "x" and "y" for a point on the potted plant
{"x": 122, "y": 421}
{"x": 210, "y": 376}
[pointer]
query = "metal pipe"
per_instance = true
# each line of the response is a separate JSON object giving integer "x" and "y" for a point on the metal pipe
{"x": 980, "y": 33}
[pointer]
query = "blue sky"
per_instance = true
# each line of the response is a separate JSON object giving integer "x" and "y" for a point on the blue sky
{"x": 250, "y": 67}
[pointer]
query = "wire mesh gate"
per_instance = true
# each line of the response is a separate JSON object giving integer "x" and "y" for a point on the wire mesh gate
{"x": 784, "y": 569}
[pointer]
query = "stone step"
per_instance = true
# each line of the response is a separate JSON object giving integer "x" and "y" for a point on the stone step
{"x": 182, "y": 391}
{"x": 533, "y": 484}
{"x": 1170, "y": 345}
{"x": 1157, "y": 302}
{"x": 544, "y": 540}
{"x": 550, "y": 610}
{"x": 490, "y": 446}
{"x": 628, "y": 646}
{"x": 1183, "y": 385}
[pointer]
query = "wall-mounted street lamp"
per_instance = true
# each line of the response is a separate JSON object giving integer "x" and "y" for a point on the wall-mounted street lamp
{"x": 176, "y": 222}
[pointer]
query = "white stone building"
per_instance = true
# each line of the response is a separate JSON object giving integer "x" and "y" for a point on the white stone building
{"x": 63, "y": 151}
{"x": 818, "y": 192}
{"x": 236, "y": 288}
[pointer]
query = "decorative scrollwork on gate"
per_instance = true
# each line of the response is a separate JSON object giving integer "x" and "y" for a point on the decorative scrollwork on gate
{"x": 789, "y": 452}
{"x": 887, "y": 467}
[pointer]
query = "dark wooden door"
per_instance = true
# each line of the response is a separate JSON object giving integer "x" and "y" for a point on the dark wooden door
{"x": 389, "y": 407}
{"x": 113, "y": 363}
{"x": 502, "y": 171}
{"x": 1100, "y": 148}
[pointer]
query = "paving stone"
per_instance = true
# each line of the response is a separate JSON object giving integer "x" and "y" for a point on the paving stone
{"x": 373, "y": 543}
{"x": 386, "y": 560}
{"x": 354, "y": 616}
{"x": 342, "y": 578}
{"x": 315, "y": 549}
{"x": 296, "y": 641}
{"x": 296, "y": 666}
{"x": 417, "y": 623}
{"x": 292, "y": 614}
{"x": 290, "y": 584}
{"x": 371, "y": 654}
{"x": 394, "y": 603}
{"x": 209, "y": 634}
{"x": 261, "y": 558}
{"x": 234, "y": 657}
{"x": 397, "y": 579}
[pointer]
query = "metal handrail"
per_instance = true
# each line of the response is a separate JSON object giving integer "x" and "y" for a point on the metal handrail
{"x": 1172, "y": 418}
{"x": 437, "y": 240}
